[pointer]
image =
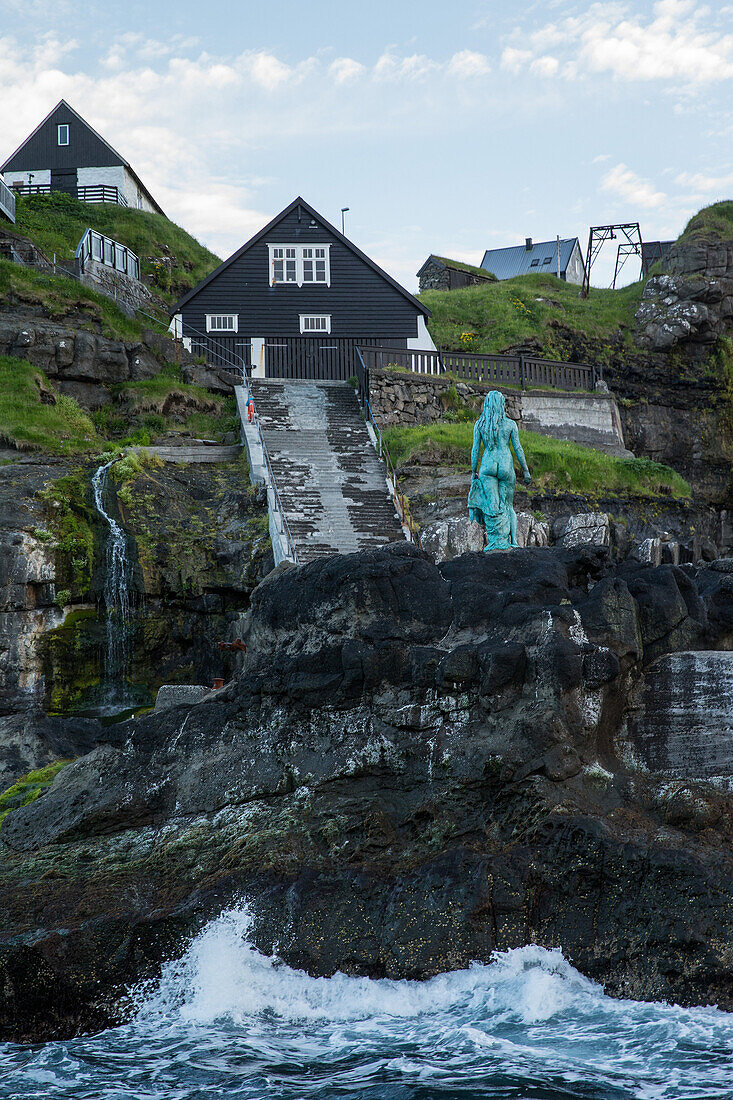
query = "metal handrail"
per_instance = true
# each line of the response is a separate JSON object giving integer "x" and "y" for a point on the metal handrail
{"x": 243, "y": 367}
{"x": 398, "y": 495}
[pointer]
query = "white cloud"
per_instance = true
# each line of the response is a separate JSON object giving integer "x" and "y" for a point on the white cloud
{"x": 345, "y": 69}
{"x": 625, "y": 184}
{"x": 414, "y": 67}
{"x": 716, "y": 185}
{"x": 514, "y": 60}
{"x": 681, "y": 41}
{"x": 267, "y": 70}
{"x": 468, "y": 63}
{"x": 545, "y": 66}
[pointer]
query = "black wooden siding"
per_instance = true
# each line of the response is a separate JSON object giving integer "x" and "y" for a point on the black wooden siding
{"x": 85, "y": 149}
{"x": 361, "y": 303}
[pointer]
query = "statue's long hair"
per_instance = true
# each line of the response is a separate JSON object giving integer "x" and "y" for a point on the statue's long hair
{"x": 492, "y": 417}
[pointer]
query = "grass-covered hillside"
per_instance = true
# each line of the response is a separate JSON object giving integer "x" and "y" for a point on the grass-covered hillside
{"x": 34, "y": 416}
{"x": 555, "y": 465}
{"x": 65, "y": 300}
{"x": 711, "y": 223}
{"x": 495, "y": 316}
{"x": 56, "y": 223}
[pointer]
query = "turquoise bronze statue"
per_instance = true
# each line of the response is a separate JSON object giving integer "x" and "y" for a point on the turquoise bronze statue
{"x": 491, "y": 496}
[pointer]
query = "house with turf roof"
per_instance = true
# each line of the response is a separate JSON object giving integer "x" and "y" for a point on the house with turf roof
{"x": 440, "y": 273}
{"x": 64, "y": 153}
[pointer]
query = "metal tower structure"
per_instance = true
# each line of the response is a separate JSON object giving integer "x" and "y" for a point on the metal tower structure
{"x": 631, "y": 245}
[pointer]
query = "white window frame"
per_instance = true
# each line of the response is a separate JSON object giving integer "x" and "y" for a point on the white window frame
{"x": 305, "y": 317}
{"x": 62, "y": 126}
{"x": 299, "y": 279}
{"x": 211, "y": 317}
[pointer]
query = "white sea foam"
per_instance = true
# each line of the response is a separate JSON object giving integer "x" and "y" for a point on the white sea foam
{"x": 227, "y": 1020}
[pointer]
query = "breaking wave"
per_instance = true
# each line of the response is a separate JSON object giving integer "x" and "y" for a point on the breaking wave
{"x": 225, "y": 1020}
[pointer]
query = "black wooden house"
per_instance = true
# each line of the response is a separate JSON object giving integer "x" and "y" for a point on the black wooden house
{"x": 296, "y": 299}
{"x": 64, "y": 153}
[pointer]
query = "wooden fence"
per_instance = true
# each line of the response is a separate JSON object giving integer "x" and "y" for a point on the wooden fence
{"x": 499, "y": 370}
{"x": 98, "y": 192}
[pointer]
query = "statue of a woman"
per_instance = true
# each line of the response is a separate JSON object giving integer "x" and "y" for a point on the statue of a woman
{"x": 491, "y": 496}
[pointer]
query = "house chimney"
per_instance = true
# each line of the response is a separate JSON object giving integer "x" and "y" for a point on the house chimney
{"x": 527, "y": 244}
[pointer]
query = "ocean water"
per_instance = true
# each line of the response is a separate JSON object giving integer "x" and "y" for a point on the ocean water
{"x": 225, "y": 1021}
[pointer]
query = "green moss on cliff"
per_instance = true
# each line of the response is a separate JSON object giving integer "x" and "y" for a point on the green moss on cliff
{"x": 29, "y": 788}
{"x": 555, "y": 465}
{"x": 71, "y": 521}
{"x": 34, "y": 417}
{"x": 712, "y": 223}
{"x": 70, "y": 655}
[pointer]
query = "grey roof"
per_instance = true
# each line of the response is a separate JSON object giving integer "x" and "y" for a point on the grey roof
{"x": 517, "y": 260}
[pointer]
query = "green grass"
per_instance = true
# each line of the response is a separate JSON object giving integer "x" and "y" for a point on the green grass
{"x": 29, "y": 423}
{"x": 57, "y": 222}
{"x": 529, "y": 307}
{"x": 711, "y": 223}
{"x": 29, "y": 788}
{"x": 60, "y": 297}
{"x": 554, "y": 465}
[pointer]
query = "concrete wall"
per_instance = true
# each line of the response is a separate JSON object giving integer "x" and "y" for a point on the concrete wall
{"x": 113, "y": 176}
{"x": 406, "y": 399}
{"x": 41, "y": 176}
{"x": 589, "y": 418}
{"x": 683, "y": 720}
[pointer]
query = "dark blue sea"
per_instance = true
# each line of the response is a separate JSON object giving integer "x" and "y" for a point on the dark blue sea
{"x": 225, "y": 1021}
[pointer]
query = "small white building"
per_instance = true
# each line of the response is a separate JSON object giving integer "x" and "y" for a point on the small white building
{"x": 64, "y": 153}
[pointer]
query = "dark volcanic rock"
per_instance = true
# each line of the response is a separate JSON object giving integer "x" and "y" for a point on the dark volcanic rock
{"x": 415, "y": 766}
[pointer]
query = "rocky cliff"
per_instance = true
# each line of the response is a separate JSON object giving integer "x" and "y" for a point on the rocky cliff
{"x": 199, "y": 538}
{"x": 415, "y": 765}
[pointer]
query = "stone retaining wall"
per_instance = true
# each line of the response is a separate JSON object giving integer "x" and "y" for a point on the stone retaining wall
{"x": 403, "y": 399}
{"x": 129, "y": 294}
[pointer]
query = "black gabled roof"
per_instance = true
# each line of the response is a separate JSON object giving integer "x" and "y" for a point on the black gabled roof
{"x": 119, "y": 159}
{"x": 327, "y": 225}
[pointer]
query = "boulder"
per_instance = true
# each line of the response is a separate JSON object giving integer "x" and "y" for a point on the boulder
{"x": 585, "y": 528}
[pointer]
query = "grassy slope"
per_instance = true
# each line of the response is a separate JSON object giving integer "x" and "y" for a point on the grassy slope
{"x": 59, "y": 296}
{"x": 140, "y": 412}
{"x": 711, "y": 223}
{"x": 31, "y": 424}
{"x": 514, "y": 311}
{"x": 554, "y": 465}
{"x": 57, "y": 222}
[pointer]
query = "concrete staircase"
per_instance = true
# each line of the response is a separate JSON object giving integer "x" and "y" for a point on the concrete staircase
{"x": 331, "y": 482}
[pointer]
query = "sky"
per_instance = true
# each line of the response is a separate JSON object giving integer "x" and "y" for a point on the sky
{"x": 445, "y": 128}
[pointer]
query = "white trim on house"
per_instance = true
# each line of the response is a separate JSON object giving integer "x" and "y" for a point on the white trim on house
{"x": 222, "y": 322}
{"x": 62, "y": 131}
{"x": 423, "y": 341}
{"x": 315, "y": 322}
{"x": 299, "y": 264}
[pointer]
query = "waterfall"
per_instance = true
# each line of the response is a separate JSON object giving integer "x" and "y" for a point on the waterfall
{"x": 117, "y": 595}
